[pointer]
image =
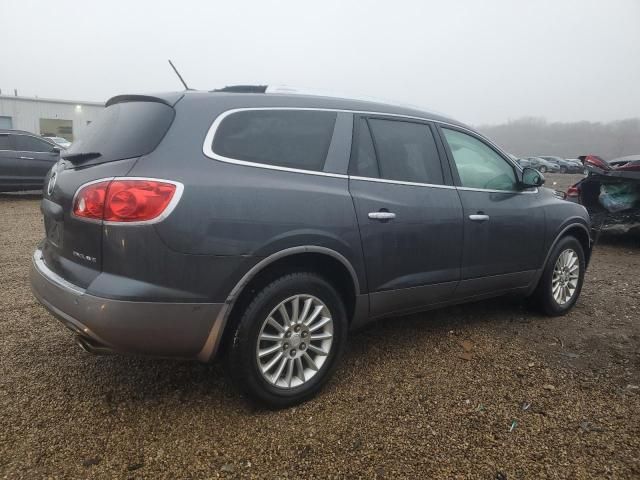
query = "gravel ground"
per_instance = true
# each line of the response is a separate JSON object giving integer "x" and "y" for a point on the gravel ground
{"x": 486, "y": 390}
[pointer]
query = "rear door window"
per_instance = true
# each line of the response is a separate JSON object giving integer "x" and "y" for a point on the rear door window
{"x": 6, "y": 142}
{"x": 287, "y": 138}
{"x": 406, "y": 151}
{"x": 27, "y": 143}
{"x": 125, "y": 130}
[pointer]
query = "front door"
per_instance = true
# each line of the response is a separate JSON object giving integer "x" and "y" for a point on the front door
{"x": 504, "y": 225}
{"x": 410, "y": 221}
{"x": 36, "y": 157}
{"x": 10, "y": 176}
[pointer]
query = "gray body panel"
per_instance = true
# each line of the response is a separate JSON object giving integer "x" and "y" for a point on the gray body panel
{"x": 233, "y": 220}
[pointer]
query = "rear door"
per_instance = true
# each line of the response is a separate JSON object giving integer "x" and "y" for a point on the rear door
{"x": 36, "y": 156}
{"x": 410, "y": 220}
{"x": 504, "y": 226}
{"x": 10, "y": 176}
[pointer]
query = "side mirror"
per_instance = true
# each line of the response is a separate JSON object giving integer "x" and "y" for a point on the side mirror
{"x": 531, "y": 178}
{"x": 56, "y": 150}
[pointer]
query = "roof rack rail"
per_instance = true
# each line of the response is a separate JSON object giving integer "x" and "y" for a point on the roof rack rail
{"x": 242, "y": 89}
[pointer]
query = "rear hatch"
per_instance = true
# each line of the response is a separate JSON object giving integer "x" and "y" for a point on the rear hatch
{"x": 128, "y": 128}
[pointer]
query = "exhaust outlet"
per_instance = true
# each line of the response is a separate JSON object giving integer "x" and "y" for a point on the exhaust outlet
{"x": 92, "y": 347}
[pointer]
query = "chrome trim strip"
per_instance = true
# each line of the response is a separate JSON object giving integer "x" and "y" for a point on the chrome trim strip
{"x": 207, "y": 146}
{"x": 214, "y": 338}
{"x": 399, "y": 182}
{"x": 167, "y": 211}
{"x": 38, "y": 261}
{"x": 515, "y": 192}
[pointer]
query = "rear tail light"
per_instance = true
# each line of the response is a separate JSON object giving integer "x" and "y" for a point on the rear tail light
{"x": 126, "y": 200}
{"x": 573, "y": 191}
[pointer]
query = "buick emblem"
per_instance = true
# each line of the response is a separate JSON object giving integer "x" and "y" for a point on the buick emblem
{"x": 52, "y": 182}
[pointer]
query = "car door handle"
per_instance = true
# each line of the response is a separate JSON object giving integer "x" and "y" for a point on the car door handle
{"x": 26, "y": 158}
{"x": 479, "y": 217}
{"x": 381, "y": 215}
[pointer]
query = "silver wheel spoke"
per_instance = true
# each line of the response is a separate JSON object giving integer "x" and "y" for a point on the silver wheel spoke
{"x": 271, "y": 321}
{"x": 289, "y": 375}
{"x": 276, "y": 375}
{"x": 295, "y": 307}
{"x": 323, "y": 321}
{"x": 313, "y": 315}
{"x": 268, "y": 351}
{"x": 285, "y": 315}
{"x": 270, "y": 338}
{"x": 271, "y": 363}
{"x": 294, "y": 341}
{"x": 317, "y": 350}
{"x": 310, "y": 361}
{"x": 300, "y": 368}
{"x": 321, "y": 336}
{"x": 305, "y": 309}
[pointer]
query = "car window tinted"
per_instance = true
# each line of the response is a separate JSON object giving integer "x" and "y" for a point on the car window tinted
{"x": 478, "y": 165}
{"x": 406, "y": 151}
{"x": 125, "y": 130}
{"x": 364, "y": 162}
{"x": 5, "y": 142}
{"x": 31, "y": 144}
{"x": 286, "y": 138}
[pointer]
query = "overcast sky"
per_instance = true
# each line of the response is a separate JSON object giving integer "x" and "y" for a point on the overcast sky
{"x": 478, "y": 61}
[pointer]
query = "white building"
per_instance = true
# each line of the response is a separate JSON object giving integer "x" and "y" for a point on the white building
{"x": 44, "y": 116}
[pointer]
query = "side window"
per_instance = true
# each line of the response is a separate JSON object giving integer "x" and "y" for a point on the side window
{"x": 6, "y": 142}
{"x": 32, "y": 144}
{"x": 406, "y": 151}
{"x": 286, "y": 138}
{"x": 478, "y": 165}
{"x": 364, "y": 156}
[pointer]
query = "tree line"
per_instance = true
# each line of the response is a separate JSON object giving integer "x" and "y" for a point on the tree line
{"x": 531, "y": 136}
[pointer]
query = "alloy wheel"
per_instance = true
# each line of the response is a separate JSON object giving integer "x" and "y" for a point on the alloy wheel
{"x": 294, "y": 341}
{"x": 566, "y": 273}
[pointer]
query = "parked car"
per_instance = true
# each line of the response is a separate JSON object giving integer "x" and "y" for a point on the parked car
{"x": 60, "y": 141}
{"x": 263, "y": 228}
{"x": 630, "y": 163}
{"x": 611, "y": 194}
{"x": 543, "y": 166}
{"x": 565, "y": 165}
{"x": 523, "y": 162}
{"x": 25, "y": 160}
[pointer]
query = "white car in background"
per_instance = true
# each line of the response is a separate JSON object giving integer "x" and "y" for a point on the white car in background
{"x": 60, "y": 141}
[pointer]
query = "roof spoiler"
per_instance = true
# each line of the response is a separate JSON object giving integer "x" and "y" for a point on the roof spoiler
{"x": 168, "y": 99}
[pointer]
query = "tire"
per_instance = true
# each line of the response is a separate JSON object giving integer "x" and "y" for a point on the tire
{"x": 245, "y": 366}
{"x": 563, "y": 169}
{"x": 542, "y": 169}
{"x": 543, "y": 297}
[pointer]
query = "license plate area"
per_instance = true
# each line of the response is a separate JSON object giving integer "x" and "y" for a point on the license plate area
{"x": 54, "y": 230}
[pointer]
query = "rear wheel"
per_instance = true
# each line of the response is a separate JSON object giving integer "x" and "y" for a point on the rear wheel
{"x": 561, "y": 281}
{"x": 288, "y": 340}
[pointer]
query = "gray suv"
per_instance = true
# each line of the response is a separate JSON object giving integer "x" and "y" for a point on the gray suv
{"x": 262, "y": 228}
{"x": 25, "y": 160}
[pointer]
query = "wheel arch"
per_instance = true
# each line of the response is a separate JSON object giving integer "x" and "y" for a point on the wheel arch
{"x": 330, "y": 264}
{"x": 575, "y": 229}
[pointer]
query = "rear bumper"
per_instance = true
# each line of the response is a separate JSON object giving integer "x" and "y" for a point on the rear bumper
{"x": 141, "y": 327}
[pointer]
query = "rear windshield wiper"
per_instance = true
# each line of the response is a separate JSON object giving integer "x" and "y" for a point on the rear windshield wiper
{"x": 81, "y": 157}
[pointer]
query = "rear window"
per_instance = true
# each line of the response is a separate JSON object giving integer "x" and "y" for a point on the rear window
{"x": 125, "y": 130}
{"x": 285, "y": 138}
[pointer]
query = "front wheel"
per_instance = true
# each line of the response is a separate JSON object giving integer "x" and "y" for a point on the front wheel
{"x": 543, "y": 169}
{"x": 561, "y": 281}
{"x": 563, "y": 169}
{"x": 288, "y": 340}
